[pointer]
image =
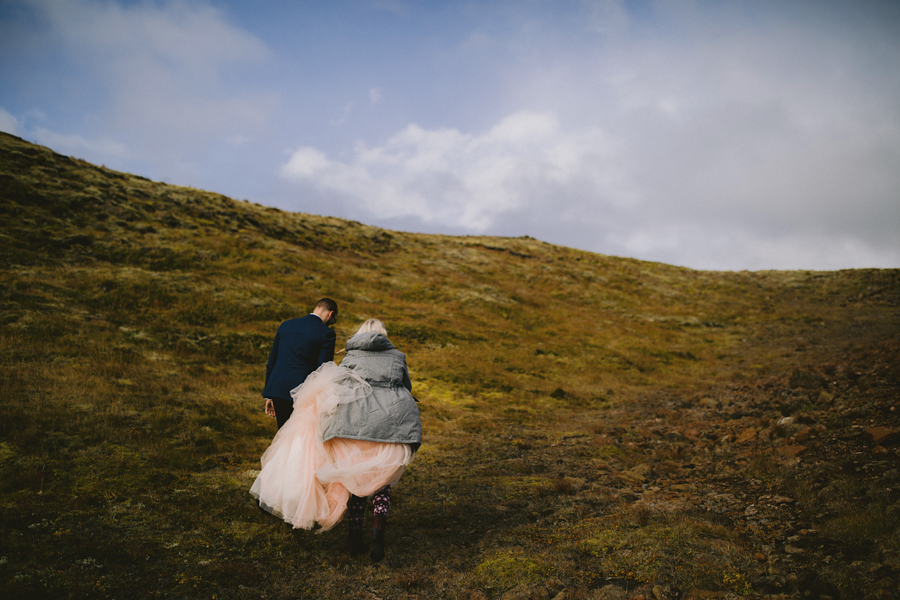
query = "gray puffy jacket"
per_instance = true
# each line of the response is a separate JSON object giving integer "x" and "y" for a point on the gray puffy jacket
{"x": 389, "y": 413}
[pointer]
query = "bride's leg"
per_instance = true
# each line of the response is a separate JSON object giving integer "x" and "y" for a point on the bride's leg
{"x": 356, "y": 511}
{"x": 381, "y": 502}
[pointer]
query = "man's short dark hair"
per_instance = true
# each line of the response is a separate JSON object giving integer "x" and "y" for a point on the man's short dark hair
{"x": 328, "y": 304}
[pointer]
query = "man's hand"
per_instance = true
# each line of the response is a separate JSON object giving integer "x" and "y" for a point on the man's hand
{"x": 270, "y": 408}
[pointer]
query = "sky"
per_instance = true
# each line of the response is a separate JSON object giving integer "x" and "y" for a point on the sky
{"x": 724, "y": 135}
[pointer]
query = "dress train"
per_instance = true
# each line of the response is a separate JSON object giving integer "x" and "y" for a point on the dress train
{"x": 304, "y": 480}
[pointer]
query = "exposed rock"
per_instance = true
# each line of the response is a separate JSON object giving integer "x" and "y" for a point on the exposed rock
{"x": 856, "y": 412}
{"x": 791, "y": 451}
{"x": 825, "y": 399}
{"x": 684, "y": 487}
{"x": 806, "y": 379}
{"x": 638, "y": 474}
{"x": 803, "y": 434}
{"x": 882, "y": 436}
{"x": 782, "y": 500}
{"x": 708, "y": 403}
{"x": 748, "y": 436}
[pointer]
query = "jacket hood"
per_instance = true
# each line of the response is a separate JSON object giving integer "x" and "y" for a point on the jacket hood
{"x": 371, "y": 341}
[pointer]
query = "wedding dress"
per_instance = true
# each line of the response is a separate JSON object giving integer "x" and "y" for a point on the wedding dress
{"x": 306, "y": 481}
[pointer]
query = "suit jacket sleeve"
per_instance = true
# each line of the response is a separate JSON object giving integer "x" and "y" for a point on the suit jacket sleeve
{"x": 326, "y": 353}
{"x": 273, "y": 357}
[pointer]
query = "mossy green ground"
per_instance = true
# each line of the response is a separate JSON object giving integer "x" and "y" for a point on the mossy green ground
{"x": 135, "y": 321}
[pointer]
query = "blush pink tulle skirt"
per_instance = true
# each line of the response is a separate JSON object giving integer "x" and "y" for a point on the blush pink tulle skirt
{"x": 306, "y": 481}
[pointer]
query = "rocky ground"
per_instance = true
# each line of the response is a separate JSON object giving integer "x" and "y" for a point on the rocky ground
{"x": 804, "y": 466}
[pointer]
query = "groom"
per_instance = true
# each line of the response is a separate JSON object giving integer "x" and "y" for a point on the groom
{"x": 301, "y": 345}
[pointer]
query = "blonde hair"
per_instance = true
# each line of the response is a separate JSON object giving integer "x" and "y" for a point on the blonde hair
{"x": 372, "y": 325}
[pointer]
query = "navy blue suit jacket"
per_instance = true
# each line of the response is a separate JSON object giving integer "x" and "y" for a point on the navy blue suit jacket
{"x": 301, "y": 345}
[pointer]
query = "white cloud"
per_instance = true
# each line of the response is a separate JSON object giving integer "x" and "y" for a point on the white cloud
{"x": 762, "y": 139}
{"x": 801, "y": 144}
{"x": 308, "y": 163}
{"x": 448, "y": 177}
{"x": 8, "y": 123}
{"x": 729, "y": 245}
{"x": 745, "y": 189}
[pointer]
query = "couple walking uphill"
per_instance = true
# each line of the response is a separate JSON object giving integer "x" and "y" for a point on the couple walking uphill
{"x": 345, "y": 433}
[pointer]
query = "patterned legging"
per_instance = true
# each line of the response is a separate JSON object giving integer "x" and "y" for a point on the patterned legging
{"x": 356, "y": 507}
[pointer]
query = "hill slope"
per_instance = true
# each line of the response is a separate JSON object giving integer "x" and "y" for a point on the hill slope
{"x": 589, "y": 420}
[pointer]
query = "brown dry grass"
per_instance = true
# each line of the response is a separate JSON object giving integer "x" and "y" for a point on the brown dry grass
{"x": 135, "y": 320}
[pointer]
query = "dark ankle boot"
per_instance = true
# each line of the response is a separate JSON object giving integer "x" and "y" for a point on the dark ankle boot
{"x": 377, "y": 551}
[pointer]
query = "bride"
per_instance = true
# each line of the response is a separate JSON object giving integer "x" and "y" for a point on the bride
{"x": 354, "y": 429}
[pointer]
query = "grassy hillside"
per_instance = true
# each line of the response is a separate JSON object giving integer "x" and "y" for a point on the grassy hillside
{"x": 594, "y": 425}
